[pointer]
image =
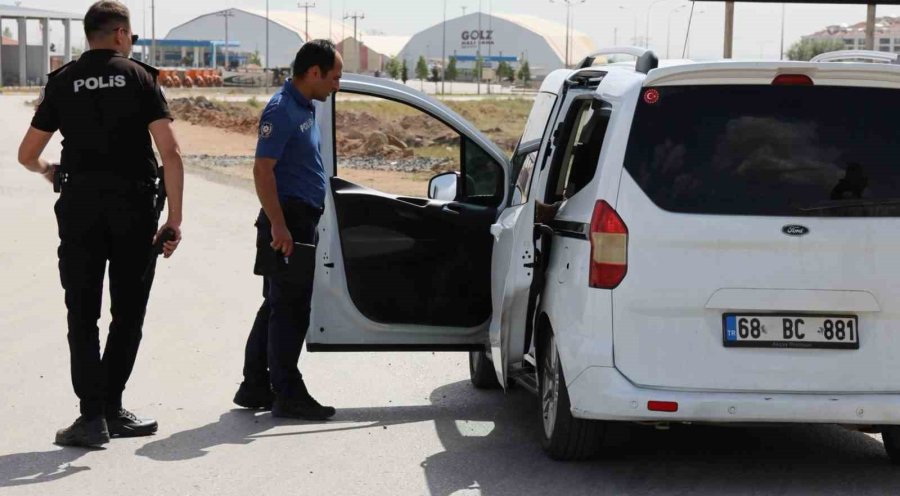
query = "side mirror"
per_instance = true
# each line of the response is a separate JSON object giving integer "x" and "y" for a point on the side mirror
{"x": 444, "y": 186}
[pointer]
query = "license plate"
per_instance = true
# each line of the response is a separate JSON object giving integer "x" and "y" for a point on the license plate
{"x": 791, "y": 331}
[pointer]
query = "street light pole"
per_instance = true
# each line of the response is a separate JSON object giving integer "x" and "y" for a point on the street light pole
{"x": 669, "y": 30}
{"x": 569, "y": 4}
{"x": 153, "y": 32}
{"x": 781, "y": 54}
{"x": 634, "y": 39}
{"x": 306, "y": 6}
{"x": 444, "y": 50}
{"x": 226, "y": 14}
{"x": 479, "y": 64}
{"x": 355, "y": 16}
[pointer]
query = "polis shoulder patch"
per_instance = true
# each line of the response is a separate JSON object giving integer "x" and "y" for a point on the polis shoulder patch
{"x": 265, "y": 129}
{"x": 40, "y": 99}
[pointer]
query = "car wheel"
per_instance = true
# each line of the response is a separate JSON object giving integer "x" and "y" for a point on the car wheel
{"x": 890, "y": 435}
{"x": 481, "y": 371}
{"x": 563, "y": 436}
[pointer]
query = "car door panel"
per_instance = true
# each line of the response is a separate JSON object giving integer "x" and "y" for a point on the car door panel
{"x": 399, "y": 272}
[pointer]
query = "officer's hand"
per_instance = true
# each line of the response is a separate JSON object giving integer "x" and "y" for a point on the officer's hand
{"x": 48, "y": 175}
{"x": 169, "y": 247}
{"x": 282, "y": 240}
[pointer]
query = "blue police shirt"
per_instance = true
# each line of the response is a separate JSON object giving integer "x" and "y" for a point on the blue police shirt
{"x": 288, "y": 133}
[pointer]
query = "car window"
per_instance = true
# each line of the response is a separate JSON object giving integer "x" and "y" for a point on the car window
{"x": 768, "y": 150}
{"x": 395, "y": 148}
{"x": 523, "y": 169}
{"x": 575, "y": 163}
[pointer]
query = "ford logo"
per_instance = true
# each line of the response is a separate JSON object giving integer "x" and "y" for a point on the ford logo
{"x": 795, "y": 230}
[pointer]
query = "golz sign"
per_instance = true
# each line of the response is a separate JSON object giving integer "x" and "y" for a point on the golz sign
{"x": 485, "y": 37}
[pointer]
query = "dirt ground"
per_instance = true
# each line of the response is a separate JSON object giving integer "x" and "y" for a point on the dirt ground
{"x": 221, "y": 138}
{"x": 231, "y": 154}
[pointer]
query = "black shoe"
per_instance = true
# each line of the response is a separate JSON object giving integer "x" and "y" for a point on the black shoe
{"x": 123, "y": 423}
{"x": 305, "y": 408}
{"x": 259, "y": 398}
{"x": 85, "y": 432}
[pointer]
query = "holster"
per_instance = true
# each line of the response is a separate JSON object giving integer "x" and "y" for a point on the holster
{"x": 59, "y": 178}
{"x": 160, "y": 203}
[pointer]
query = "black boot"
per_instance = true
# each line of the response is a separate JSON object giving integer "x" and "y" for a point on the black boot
{"x": 123, "y": 423}
{"x": 301, "y": 406}
{"x": 86, "y": 432}
{"x": 254, "y": 397}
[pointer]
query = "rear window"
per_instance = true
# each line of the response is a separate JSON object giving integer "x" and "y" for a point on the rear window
{"x": 769, "y": 150}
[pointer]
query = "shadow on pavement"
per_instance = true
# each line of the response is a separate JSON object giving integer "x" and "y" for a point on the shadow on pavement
{"x": 491, "y": 444}
{"x": 22, "y": 469}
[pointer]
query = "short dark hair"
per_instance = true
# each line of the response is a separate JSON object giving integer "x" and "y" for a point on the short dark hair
{"x": 105, "y": 16}
{"x": 321, "y": 53}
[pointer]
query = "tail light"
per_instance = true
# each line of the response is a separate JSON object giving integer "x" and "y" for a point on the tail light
{"x": 793, "y": 80}
{"x": 609, "y": 247}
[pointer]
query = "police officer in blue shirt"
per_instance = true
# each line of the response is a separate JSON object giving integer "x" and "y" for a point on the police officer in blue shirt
{"x": 290, "y": 183}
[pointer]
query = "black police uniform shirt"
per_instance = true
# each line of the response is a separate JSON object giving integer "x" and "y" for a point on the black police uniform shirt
{"x": 102, "y": 105}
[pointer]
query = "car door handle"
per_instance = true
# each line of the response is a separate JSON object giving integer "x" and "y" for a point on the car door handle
{"x": 449, "y": 209}
{"x": 530, "y": 265}
{"x": 329, "y": 266}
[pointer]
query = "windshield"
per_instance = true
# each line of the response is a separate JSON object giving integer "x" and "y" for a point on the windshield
{"x": 768, "y": 150}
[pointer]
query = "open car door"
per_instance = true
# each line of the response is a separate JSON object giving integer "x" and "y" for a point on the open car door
{"x": 406, "y": 272}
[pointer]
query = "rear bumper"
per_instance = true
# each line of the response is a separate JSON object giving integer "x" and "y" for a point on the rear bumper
{"x": 603, "y": 393}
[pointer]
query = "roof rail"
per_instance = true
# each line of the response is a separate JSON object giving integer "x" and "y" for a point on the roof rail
{"x": 646, "y": 59}
{"x": 842, "y": 55}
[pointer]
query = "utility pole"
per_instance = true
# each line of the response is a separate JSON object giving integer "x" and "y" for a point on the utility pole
{"x": 226, "y": 14}
{"x": 306, "y": 6}
{"x": 356, "y": 16}
{"x": 479, "y": 64}
{"x": 444, "y": 50}
{"x": 569, "y": 4}
{"x": 729, "y": 29}
{"x": 783, "y": 12}
{"x": 153, "y": 32}
{"x": 870, "y": 28}
{"x": 267, "y": 39}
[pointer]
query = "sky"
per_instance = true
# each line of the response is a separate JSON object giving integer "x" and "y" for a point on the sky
{"x": 757, "y": 26}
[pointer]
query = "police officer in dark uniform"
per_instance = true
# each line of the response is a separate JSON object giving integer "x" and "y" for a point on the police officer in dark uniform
{"x": 106, "y": 106}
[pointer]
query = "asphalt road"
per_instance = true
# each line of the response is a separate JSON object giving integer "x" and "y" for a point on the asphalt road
{"x": 406, "y": 423}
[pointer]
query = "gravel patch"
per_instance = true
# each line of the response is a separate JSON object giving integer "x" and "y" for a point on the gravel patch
{"x": 415, "y": 164}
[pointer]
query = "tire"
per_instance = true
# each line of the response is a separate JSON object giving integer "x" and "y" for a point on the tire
{"x": 563, "y": 436}
{"x": 481, "y": 371}
{"x": 891, "y": 437}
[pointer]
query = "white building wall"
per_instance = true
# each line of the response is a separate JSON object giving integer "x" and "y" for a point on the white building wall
{"x": 506, "y": 38}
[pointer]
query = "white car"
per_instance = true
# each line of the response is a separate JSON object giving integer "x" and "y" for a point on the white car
{"x": 725, "y": 249}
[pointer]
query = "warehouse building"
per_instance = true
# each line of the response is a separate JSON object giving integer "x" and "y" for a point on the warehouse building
{"x": 287, "y": 31}
{"x": 511, "y": 38}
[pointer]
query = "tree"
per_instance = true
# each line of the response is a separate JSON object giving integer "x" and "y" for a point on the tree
{"x": 479, "y": 65}
{"x": 7, "y": 32}
{"x": 806, "y": 49}
{"x": 525, "y": 72}
{"x": 452, "y": 72}
{"x": 404, "y": 72}
{"x": 506, "y": 72}
{"x": 254, "y": 58}
{"x": 393, "y": 68}
{"x": 421, "y": 69}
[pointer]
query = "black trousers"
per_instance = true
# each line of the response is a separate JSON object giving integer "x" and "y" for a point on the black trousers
{"x": 100, "y": 224}
{"x": 276, "y": 339}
